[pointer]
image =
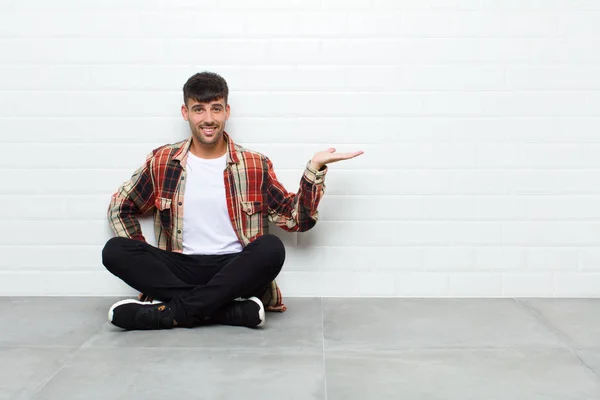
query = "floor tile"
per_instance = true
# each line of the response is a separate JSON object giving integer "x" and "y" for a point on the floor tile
{"x": 138, "y": 373}
{"x": 51, "y": 321}
{"x": 459, "y": 374}
{"x": 572, "y": 317}
{"x": 300, "y": 327}
{"x": 372, "y": 324}
{"x": 23, "y": 371}
{"x": 375, "y": 348}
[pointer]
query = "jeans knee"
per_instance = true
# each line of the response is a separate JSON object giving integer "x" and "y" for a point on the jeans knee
{"x": 112, "y": 251}
{"x": 274, "y": 247}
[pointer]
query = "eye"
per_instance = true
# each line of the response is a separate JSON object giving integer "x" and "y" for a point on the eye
{"x": 217, "y": 109}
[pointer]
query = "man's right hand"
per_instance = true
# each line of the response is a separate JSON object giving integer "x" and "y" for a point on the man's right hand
{"x": 144, "y": 298}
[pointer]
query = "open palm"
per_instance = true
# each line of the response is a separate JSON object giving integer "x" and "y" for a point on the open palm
{"x": 330, "y": 156}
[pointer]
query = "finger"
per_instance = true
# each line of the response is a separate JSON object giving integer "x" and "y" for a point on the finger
{"x": 347, "y": 156}
{"x": 331, "y": 150}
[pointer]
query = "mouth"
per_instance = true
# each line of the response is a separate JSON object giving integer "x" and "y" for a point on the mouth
{"x": 208, "y": 130}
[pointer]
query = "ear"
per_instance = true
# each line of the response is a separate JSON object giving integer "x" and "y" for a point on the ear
{"x": 184, "y": 112}
{"x": 227, "y": 111}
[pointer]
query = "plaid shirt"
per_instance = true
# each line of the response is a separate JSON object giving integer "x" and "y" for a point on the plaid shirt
{"x": 254, "y": 197}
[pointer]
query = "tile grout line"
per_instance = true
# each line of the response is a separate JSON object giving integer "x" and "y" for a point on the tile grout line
{"x": 35, "y": 347}
{"x": 323, "y": 341}
{"x": 564, "y": 339}
{"x": 43, "y": 385}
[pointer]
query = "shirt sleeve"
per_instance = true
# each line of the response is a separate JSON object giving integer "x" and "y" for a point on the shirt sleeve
{"x": 134, "y": 198}
{"x": 295, "y": 212}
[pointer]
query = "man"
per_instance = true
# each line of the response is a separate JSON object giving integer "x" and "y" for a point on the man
{"x": 212, "y": 199}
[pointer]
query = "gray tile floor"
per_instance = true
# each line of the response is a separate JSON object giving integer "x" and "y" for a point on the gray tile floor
{"x": 63, "y": 348}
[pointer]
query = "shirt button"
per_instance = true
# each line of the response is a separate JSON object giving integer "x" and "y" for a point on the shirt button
{"x": 178, "y": 231}
{"x": 180, "y": 203}
{"x": 183, "y": 177}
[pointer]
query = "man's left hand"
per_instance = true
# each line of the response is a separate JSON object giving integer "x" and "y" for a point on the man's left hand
{"x": 329, "y": 156}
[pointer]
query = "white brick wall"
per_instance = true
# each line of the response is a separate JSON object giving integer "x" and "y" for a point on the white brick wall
{"x": 479, "y": 120}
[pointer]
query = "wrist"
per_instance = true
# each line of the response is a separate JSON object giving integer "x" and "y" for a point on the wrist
{"x": 316, "y": 166}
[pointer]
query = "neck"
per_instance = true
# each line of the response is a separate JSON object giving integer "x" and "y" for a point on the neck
{"x": 208, "y": 151}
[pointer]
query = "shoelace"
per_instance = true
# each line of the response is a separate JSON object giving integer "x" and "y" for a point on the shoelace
{"x": 240, "y": 312}
{"x": 151, "y": 317}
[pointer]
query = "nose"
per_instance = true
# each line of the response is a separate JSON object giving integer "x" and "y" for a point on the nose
{"x": 208, "y": 118}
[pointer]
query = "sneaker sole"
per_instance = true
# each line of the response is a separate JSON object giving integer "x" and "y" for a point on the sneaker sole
{"x": 111, "y": 311}
{"x": 261, "y": 312}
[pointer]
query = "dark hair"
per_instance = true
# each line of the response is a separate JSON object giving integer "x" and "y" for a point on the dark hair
{"x": 204, "y": 87}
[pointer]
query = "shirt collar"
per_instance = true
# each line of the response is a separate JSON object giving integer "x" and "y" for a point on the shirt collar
{"x": 232, "y": 157}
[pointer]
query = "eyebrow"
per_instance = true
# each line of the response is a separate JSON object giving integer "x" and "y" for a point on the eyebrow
{"x": 212, "y": 105}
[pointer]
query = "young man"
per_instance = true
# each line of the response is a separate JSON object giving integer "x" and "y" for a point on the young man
{"x": 212, "y": 199}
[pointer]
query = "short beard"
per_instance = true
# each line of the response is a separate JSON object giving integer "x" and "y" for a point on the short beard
{"x": 197, "y": 133}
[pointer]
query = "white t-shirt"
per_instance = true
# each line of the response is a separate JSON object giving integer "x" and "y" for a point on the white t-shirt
{"x": 207, "y": 228}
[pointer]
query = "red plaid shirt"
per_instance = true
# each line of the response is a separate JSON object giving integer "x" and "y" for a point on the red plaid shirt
{"x": 254, "y": 197}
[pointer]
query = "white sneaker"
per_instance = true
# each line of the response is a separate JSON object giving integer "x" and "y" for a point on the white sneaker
{"x": 242, "y": 312}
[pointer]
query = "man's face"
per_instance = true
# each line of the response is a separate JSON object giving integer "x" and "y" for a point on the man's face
{"x": 207, "y": 120}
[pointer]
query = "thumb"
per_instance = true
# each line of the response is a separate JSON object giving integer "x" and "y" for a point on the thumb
{"x": 331, "y": 150}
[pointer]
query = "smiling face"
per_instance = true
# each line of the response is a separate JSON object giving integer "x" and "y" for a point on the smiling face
{"x": 207, "y": 120}
{"x": 206, "y": 110}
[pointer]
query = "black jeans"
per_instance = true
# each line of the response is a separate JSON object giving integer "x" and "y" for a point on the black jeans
{"x": 195, "y": 286}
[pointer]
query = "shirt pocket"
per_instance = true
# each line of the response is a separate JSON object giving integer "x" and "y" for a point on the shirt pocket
{"x": 162, "y": 203}
{"x": 163, "y": 206}
{"x": 252, "y": 218}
